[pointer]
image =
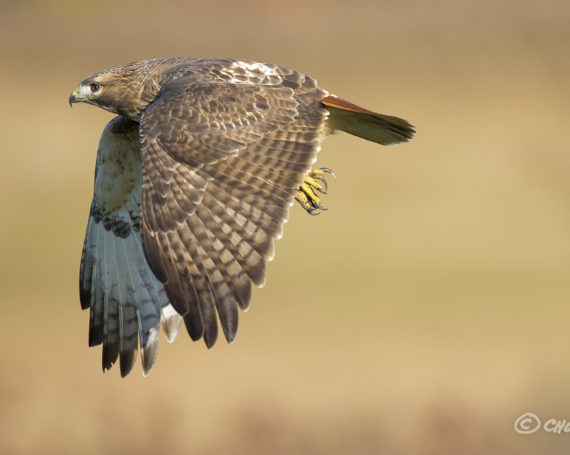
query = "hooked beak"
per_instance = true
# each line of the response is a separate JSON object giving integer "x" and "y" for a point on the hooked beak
{"x": 75, "y": 97}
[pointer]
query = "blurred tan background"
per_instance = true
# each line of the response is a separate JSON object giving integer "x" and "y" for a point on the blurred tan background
{"x": 422, "y": 314}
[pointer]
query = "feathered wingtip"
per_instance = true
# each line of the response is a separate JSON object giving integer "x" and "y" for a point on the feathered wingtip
{"x": 149, "y": 353}
{"x": 170, "y": 321}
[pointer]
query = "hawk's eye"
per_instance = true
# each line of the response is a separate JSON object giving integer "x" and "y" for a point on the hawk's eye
{"x": 94, "y": 87}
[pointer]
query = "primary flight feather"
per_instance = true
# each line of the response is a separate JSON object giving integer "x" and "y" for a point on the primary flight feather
{"x": 193, "y": 183}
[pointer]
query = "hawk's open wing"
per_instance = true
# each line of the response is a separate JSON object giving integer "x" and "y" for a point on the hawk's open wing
{"x": 222, "y": 164}
{"x": 125, "y": 298}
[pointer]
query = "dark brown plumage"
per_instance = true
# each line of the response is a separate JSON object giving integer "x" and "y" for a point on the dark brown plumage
{"x": 224, "y": 146}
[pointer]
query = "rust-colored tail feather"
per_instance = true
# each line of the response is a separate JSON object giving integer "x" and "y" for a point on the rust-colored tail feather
{"x": 369, "y": 125}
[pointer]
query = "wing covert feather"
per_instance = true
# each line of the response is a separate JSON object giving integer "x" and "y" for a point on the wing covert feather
{"x": 222, "y": 163}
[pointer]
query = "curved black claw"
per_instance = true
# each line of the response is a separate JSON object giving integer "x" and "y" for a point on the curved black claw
{"x": 306, "y": 204}
{"x": 312, "y": 207}
{"x": 319, "y": 206}
{"x": 329, "y": 171}
{"x": 325, "y": 184}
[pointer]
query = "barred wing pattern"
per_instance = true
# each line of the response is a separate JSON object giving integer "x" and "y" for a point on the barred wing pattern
{"x": 222, "y": 163}
{"x": 126, "y": 301}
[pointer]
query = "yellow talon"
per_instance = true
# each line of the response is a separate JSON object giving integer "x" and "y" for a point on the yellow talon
{"x": 302, "y": 199}
{"x": 316, "y": 173}
{"x": 306, "y": 194}
{"x": 307, "y": 189}
{"x": 311, "y": 182}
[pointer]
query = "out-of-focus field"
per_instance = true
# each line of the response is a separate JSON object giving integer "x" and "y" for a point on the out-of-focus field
{"x": 422, "y": 314}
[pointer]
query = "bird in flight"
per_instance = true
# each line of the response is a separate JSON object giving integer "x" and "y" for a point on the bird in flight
{"x": 193, "y": 183}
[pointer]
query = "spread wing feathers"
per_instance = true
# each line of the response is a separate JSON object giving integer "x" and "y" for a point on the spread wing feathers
{"x": 126, "y": 301}
{"x": 222, "y": 164}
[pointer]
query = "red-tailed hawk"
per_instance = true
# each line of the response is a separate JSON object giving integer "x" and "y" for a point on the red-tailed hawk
{"x": 193, "y": 183}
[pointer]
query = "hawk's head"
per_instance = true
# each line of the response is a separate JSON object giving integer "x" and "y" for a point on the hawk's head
{"x": 122, "y": 90}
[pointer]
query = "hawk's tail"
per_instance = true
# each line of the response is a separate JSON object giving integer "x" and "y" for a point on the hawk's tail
{"x": 355, "y": 120}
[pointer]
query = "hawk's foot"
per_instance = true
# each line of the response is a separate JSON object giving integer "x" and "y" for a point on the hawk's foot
{"x": 314, "y": 182}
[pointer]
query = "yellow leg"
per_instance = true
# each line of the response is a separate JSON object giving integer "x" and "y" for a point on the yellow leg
{"x": 306, "y": 195}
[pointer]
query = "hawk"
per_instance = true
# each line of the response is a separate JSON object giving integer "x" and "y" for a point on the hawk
{"x": 193, "y": 183}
